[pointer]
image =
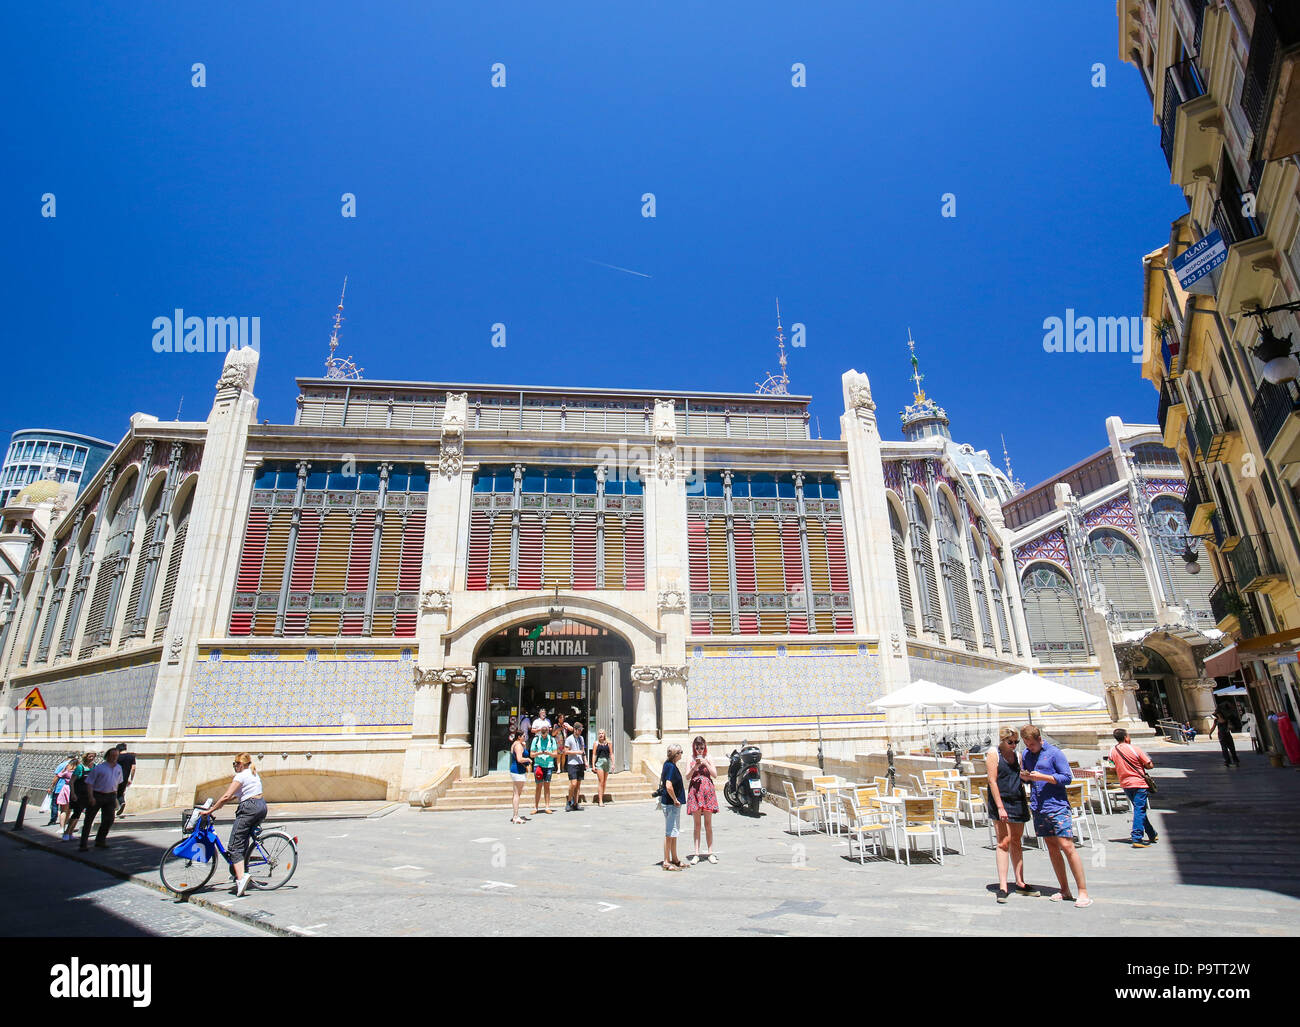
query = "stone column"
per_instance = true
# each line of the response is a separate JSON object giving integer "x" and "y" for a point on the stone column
{"x": 1199, "y": 696}
{"x": 645, "y": 682}
{"x": 457, "y": 681}
{"x": 1124, "y": 705}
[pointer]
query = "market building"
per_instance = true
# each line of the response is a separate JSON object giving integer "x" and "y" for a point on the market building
{"x": 372, "y": 594}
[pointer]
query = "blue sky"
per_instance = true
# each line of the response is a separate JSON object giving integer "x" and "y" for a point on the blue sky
{"x": 478, "y": 205}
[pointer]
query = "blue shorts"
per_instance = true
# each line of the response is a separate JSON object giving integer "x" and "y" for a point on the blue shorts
{"x": 1053, "y": 824}
{"x": 546, "y": 775}
{"x": 672, "y": 819}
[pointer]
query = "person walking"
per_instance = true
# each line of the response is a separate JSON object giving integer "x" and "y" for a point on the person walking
{"x": 57, "y": 784}
{"x": 575, "y": 765}
{"x": 63, "y": 790}
{"x": 1047, "y": 771}
{"x": 525, "y": 728}
{"x": 251, "y": 811}
{"x": 520, "y": 764}
{"x": 1248, "y": 725}
{"x": 80, "y": 799}
{"x": 1007, "y": 798}
{"x": 1130, "y": 762}
{"x": 702, "y": 796}
{"x": 671, "y": 792}
{"x": 543, "y": 754}
{"x": 1227, "y": 746}
{"x": 102, "y": 782}
{"x": 604, "y": 756}
{"x": 125, "y": 760}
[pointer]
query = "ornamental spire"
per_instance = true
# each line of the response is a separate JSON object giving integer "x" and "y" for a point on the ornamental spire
{"x": 340, "y": 367}
{"x": 917, "y": 377}
{"x": 777, "y": 384}
{"x": 1017, "y": 487}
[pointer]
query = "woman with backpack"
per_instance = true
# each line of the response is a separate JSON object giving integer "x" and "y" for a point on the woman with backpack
{"x": 78, "y": 794}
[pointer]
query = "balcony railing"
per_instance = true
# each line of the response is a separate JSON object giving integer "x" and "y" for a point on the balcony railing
{"x": 1197, "y": 7}
{"x": 1226, "y": 601}
{"x": 1230, "y": 220}
{"x": 1182, "y": 83}
{"x": 1211, "y": 429}
{"x": 1272, "y": 406}
{"x": 1277, "y": 27}
{"x": 1253, "y": 562}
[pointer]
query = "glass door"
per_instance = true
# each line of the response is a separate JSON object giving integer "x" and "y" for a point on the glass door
{"x": 502, "y": 714}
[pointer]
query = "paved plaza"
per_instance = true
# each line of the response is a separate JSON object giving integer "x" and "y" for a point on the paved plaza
{"x": 1225, "y": 865}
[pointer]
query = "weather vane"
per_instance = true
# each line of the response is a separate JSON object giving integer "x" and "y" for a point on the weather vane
{"x": 340, "y": 367}
{"x": 777, "y": 384}
{"x": 917, "y": 376}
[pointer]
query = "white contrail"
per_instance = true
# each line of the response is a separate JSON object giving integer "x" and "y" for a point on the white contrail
{"x": 615, "y": 267}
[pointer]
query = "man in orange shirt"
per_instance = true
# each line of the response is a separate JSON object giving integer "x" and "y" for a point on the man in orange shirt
{"x": 1129, "y": 762}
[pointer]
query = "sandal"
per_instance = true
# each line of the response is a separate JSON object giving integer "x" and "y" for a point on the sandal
{"x": 1083, "y": 903}
{"x": 679, "y": 864}
{"x": 516, "y": 820}
{"x": 712, "y": 858}
{"x": 670, "y": 866}
{"x": 1062, "y": 897}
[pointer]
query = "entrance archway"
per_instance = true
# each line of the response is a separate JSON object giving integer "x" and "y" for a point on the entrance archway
{"x": 564, "y": 665}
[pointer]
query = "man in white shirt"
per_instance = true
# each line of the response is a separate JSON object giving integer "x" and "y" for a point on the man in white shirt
{"x": 575, "y": 764}
{"x": 102, "y": 783}
{"x": 539, "y": 720}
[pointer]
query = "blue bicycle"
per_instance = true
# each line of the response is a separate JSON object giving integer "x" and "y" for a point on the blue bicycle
{"x": 187, "y": 866}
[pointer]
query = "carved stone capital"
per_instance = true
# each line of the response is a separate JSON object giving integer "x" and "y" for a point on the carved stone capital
{"x": 451, "y": 455}
{"x": 457, "y": 677}
{"x": 647, "y": 677}
{"x": 665, "y": 461}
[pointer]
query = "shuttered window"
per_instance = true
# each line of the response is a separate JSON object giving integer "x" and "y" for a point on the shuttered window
{"x": 119, "y": 537}
{"x": 758, "y": 566}
{"x": 59, "y": 584}
{"x": 168, "y": 595}
{"x": 901, "y": 571}
{"x": 1118, "y": 566}
{"x": 329, "y": 591}
{"x": 555, "y": 527}
{"x": 1052, "y": 616}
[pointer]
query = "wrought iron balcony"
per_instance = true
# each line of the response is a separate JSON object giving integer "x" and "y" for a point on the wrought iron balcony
{"x": 1273, "y": 405}
{"x": 1162, "y": 410}
{"x": 1182, "y": 83}
{"x": 1211, "y": 430}
{"x": 1225, "y": 602}
{"x": 1253, "y": 563}
{"x": 1270, "y": 71}
{"x": 1230, "y": 220}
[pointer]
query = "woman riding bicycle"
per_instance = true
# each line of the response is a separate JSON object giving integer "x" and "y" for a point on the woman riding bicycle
{"x": 250, "y": 812}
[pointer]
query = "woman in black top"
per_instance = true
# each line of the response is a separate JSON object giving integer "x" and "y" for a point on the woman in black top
{"x": 1007, "y": 797}
{"x": 672, "y": 794}
{"x": 603, "y": 757}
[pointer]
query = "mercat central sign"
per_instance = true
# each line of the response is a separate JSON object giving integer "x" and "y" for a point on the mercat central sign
{"x": 553, "y": 647}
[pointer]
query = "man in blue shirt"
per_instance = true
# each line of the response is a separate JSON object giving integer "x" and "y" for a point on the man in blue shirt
{"x": 1046, "y": 770}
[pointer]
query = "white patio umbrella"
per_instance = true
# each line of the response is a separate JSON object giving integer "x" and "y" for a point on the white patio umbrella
{"x": 1029, "y": 692}
{"x": 1231, "y": 690}
{"x": 923, "y": 694}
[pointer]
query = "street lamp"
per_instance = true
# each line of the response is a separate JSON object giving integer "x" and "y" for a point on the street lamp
{"x": 1190, "y": 559}
{"x": 1274, "y": 352}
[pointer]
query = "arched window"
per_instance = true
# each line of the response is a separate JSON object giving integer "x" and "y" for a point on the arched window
{"x": 1191, "y": 591}
{"x": 954, "y": 574}
{"x": 1052, "y": 616}
{"x": 115, "y": 550}
{"x": 173, "y": 567}
{"x": 1118, "y": 567}
{"x": 981, "y": 593}
{"x": 58, "y": 583}
{"x": 1000, "y": 607}
{"x": 900, "y": 569}
{"x": 923, "y": 562}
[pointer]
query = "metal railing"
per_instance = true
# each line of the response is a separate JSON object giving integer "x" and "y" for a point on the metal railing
{"x": 1182, "y": 83}
{"x": 1272, "y": 406}
{"x": 1277, "y": 26}
{"x": 1162, "y": 409}
{"x": 1193, "y": 498}
{"x": 1210, "y": 428}
{"x": 1226, "y": 601}
{"x": 1252, "y": 560}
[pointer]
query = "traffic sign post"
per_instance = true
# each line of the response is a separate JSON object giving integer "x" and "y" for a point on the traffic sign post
{"x": 33, "y": 701}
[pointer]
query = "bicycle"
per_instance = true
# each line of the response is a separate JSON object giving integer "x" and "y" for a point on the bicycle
{"x": 188, "y": 865}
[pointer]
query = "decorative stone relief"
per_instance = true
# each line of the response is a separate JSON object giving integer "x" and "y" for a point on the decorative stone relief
{"x": 644, "y": 676}
{"x": 895, "y": 644}
{"x": 457, "y": 677}
{"x": 859, "y": 392}
{"x": 436, "y": 599}
{"x": 174, "y": 649}
{"x": 426, "y": 676}
{"x": 665, "y": 421}
{"x": 238, "y": 370}
{"x": 450, "y": 456}
{"x": 456, "y": 414}
{"x": 675, "y": 675}
{"x": 671, "y": 599}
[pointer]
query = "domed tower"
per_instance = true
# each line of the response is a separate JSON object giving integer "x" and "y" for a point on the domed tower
{"x": 924, "y": 417}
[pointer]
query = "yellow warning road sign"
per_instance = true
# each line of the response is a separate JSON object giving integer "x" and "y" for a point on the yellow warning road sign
{"x": 34, "y": 701}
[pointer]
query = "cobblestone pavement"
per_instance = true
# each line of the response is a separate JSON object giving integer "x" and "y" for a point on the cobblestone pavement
{"x": 1224, "y": 866}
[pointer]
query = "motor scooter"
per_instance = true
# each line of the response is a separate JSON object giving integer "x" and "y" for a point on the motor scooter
{"x": 744, "y": 788}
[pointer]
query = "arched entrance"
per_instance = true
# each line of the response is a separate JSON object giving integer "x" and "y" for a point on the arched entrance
{"x": 561, "y": 664}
